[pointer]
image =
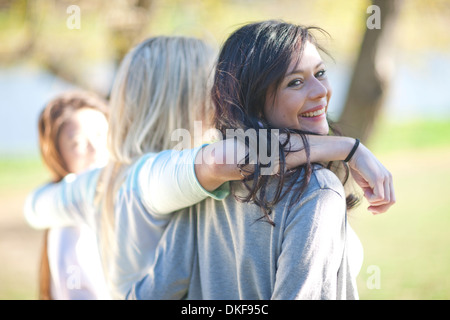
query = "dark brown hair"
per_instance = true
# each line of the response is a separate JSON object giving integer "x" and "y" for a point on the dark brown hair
{"x": 254, "y": 59}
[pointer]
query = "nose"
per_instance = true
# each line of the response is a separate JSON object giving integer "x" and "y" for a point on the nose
{"x": 317, "y": 90}
{"x": 96, "y": 151}
{"x": 91, "y": 148}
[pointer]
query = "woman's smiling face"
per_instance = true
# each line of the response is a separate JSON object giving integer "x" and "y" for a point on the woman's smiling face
{"x": 82, "y": 141}
{"x": 301, "y": 100}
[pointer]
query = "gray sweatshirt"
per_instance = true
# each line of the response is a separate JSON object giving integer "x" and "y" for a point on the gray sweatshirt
{"x": 218, "y": 249}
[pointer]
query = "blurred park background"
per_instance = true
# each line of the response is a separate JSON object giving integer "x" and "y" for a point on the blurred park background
{"x": 390, "y": 89}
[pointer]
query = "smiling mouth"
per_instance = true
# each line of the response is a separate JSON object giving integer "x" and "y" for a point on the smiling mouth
{"x": 313, "y": 114}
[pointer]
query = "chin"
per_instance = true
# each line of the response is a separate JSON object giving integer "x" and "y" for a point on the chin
{"x": 325, "y": 131}
{"x": 315, "y": 125}
{"x": 321, "y": 131}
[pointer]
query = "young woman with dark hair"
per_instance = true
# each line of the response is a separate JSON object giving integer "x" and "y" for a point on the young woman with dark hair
{"x": 259, "y": 86}
{"x": 270, "y": 78}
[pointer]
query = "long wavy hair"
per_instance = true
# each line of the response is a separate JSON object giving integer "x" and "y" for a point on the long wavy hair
{"x": 254, "y": 59}
{"x": 162, "y": 84}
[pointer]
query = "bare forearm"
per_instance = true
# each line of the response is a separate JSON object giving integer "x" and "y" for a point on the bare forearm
{"x": 213, "y": 168}
{"x": 322, "y": 149}
{"x": 214, "y": 165}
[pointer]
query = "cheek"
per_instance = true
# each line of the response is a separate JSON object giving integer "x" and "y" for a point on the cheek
{"x": 65, "y": 152}
{"x": 74, "y": 159}
{"x": 329, "y": 90}
{"x": 284, "y": 109}
{"x": 288, "y": 106}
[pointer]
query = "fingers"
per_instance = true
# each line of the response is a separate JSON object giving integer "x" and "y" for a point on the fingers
{"x": 374, "y": 180}
{"x": 378, "y": 209}
{"x": 391, "y": 185}
{"x": 376, "y": 195}
{"x": 387, "y": 193}
{"x": 382, "y": 196}
{"x": 382, "y": 207}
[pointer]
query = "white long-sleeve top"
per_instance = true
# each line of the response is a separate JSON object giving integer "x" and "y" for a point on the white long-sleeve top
{"x": 76, "y": 271}
{"x": 155, "y": 186}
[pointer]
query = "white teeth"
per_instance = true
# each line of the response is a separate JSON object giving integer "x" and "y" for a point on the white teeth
{"x": 313, "y": 114}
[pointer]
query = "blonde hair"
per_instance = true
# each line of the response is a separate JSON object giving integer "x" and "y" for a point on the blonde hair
{"x": 163, "y": 84}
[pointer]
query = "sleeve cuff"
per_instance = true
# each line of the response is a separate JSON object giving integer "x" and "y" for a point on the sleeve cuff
{"x": 218, "y": 194}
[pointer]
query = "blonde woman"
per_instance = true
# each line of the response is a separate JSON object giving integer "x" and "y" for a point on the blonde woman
{"x": 163, "y": 84}
{"x": 72, "y": 138}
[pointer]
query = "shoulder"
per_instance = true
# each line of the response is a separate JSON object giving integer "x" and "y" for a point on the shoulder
{"x": 324, "y": 179}
{"x": 324, "y": 198}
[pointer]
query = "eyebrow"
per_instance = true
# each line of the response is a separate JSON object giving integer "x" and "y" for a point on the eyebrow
{"x": 301, "y": 70}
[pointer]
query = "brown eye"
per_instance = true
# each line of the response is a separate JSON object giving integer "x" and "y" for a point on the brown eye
{"x": 321, "y": 74}
{"x": 295, "y": 83}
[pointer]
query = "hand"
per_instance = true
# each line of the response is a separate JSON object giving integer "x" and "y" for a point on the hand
{"x": 374, "y": 179}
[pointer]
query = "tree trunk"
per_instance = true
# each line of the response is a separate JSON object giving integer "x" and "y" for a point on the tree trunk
{"x": 372, "y": 72}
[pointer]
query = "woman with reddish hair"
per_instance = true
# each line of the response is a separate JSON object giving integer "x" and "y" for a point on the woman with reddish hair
{"x": 72, "y": 138}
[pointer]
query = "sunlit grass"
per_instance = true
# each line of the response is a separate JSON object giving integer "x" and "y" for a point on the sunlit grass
{"x": 19, "y": 173}
{"x": 415, "y": 134}
{"x": 410, "y": 243}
